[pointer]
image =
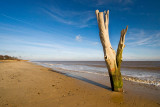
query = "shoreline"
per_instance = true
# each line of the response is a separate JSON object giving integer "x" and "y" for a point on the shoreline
{"x": 27, "y": 84}
{"x": 132, "y": 78}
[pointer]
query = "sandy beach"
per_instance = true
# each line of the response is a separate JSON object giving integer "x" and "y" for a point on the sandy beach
{"x": 24, "y": 84}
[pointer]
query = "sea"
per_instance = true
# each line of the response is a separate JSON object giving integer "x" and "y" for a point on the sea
{"x": 145, "y": 72}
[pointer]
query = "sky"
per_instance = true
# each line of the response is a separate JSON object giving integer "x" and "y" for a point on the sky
{"x": 67, "y": 30}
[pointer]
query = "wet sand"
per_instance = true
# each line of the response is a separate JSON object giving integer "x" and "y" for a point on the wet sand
{"x": 24, "y": 84}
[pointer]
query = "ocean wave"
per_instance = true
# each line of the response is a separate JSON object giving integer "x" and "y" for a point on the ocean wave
{"x": 125, "y": 77}
{"x": 138, "y": 80}
{"x": 128, "y": 78}
{"x": 52, "y": 64}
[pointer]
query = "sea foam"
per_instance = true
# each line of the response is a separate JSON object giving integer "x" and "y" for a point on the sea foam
{"x": 139, "y": 76}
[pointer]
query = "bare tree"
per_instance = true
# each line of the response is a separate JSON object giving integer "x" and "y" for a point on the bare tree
{"x": 113, "y": 60}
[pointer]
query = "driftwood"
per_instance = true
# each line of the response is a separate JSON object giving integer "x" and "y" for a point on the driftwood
{"x": 113, "y": 60}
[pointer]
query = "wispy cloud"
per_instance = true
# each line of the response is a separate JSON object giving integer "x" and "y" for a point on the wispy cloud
{"x": 59, "y": 19}
{"x": 15, "y": 31}
{"x": 79, "y": 19}
{"x": 20, "y": 20}
{"x": 137, "y": 37}
{"x": 15, "y": 19}
{"x": 103, "y": 2}
{"x": 95, "y": 3}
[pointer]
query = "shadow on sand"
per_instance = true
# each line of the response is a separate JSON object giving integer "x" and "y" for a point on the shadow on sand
{"x": 83, "y": 79}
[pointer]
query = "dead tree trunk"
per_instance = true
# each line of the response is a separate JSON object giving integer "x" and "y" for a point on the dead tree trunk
{"x": 113, "y": 60}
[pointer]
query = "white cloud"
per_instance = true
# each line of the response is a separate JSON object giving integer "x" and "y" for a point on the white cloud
{"x": 79, "y": 38}
{"x": 58, "y": 18}
{"x": 137, "y": 37}
{"x": 79, "y": 19}
{"x": 21, "y": 21}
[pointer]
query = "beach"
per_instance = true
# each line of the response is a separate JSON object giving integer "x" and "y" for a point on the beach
{"x": 26, "y": 84}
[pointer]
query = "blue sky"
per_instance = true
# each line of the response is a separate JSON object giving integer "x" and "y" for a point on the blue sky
{"x": 68, "y": 30}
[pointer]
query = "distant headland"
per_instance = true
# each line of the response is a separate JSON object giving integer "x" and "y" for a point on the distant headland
{"x": 9, "y": 58}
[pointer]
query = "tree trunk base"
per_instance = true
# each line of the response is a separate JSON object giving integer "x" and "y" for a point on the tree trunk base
{"x": 118, "y": 90}
{"x": 116, "y": 81}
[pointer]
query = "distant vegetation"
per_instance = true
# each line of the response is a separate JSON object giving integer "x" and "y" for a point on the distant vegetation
{"x": 6, "y": 57}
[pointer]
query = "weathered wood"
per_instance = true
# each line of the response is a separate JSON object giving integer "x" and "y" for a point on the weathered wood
{"x": 113, "y": 60}
{"x": 120, "y": 47}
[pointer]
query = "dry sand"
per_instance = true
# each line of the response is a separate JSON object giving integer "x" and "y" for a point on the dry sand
{"x": 24, "y": 84}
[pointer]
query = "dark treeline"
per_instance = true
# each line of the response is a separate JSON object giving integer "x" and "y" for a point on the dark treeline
{"x": 6, "y": 57}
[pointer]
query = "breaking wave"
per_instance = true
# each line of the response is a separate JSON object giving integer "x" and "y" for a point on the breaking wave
{"x": 133, "y": 76}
